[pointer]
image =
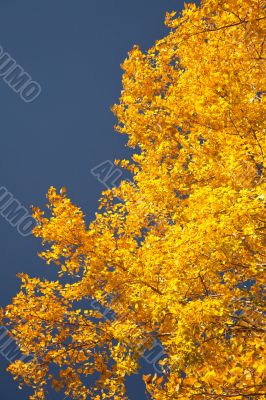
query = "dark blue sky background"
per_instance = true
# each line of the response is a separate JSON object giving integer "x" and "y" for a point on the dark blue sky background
{"x": 74, "y": 50}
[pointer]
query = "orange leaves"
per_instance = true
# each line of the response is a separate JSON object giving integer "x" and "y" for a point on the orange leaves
{"x": 147, "y": 379}
{"x": 177, "y": 254}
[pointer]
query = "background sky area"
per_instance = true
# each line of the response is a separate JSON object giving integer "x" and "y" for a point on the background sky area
{"x": 73, "y": 49}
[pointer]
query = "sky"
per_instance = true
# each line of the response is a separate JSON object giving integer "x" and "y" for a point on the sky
{"x": 71, "y": 51}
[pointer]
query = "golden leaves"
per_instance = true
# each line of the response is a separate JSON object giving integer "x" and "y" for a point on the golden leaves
{"x": 179, "y": 252}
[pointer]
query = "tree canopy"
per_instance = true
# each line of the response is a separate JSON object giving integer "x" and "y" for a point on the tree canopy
{"x": 177, "y": 252}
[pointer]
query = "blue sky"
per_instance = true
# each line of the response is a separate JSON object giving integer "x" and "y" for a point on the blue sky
{"x": 73, "y": 49}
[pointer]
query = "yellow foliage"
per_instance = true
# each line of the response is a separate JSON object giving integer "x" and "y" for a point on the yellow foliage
{"x": 181, "y": 255}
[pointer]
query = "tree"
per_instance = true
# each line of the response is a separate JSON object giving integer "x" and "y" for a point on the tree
{"x": 177, "y": 253}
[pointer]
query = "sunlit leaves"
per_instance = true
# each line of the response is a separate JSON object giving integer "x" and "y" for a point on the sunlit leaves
{"x": 178, "y": 253}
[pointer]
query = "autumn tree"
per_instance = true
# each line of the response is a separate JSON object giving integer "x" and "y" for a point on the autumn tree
{"x": 176, "y": 253}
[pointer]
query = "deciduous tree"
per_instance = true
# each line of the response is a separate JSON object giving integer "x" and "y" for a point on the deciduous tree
{"x": 178, "y": 252}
